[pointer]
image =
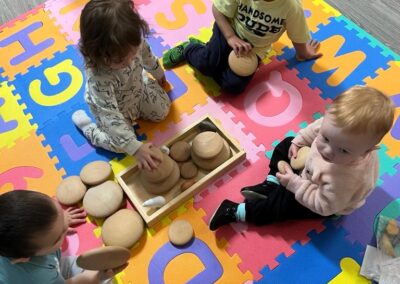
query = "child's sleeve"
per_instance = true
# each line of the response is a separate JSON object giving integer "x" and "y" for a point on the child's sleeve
{"x": 296, "y": 25}
{"x": 323, "y": 198}
{"x": 113, "y": 122}
{"x": 227, "y": 7}
{"x": 307, "y": 135}
{"x": 150, "y": 61}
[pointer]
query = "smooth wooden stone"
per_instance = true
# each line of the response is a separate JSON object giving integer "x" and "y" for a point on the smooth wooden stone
{"x": 282, "y": 165}
{"x": 103, "y": 258}
{"x": 180, "y": 151}
{"x": 180, "y": 232}
{"x": 207, "y": 144}
{"x": 103, "y": 200}
{"x": 244, "y": 65}
{"x": 392, "y": 228}
{"x": 71, "y": 190}
{"x": 188, "y": 183}
{"x": 207, "y": 125}
{"x": 95, "y": 172}
{"x": 189, "y": 170}
{"x": 124, "y": 228}
{"x": 163, "y": 170}
{"x": 210, "y": 164}
{"x": 300, "y": 161}
{"x": 165, "y": 185}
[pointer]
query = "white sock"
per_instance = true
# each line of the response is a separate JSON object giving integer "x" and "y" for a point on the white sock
{"x": 81, "y": 119}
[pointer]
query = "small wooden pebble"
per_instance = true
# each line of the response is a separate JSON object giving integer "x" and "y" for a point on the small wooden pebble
{"x": 188, "y": 183}
{"x": 180, "y": 232}
{"x": 282, "y": 165}
{"x": 95, "y": 172}
{"x": 180, "y": 151}
{"x": 189, "y": 170}
{"x": 71, "y": 190}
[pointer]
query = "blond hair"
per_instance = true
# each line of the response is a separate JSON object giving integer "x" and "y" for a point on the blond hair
{"x": 363, "y": 109}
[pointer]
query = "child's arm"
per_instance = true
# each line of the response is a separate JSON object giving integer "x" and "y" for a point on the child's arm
{"x": 319, "y": 198}
{"x": 74, "y": 216}
{"x": 94, "y": 277}
{"x": 305, "y": 137}
{"x": 298, "y": 33}
{"x": 238, "y": 45}
{"x": 151, "y": 64}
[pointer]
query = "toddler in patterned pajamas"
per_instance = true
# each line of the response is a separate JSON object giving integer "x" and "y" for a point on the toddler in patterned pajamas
{"x": 118, "y": 89}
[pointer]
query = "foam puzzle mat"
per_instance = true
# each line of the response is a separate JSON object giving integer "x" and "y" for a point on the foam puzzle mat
{"x": 42, "y": 82}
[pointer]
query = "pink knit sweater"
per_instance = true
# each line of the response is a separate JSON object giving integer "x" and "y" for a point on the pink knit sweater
{"x": 328, "y": 188}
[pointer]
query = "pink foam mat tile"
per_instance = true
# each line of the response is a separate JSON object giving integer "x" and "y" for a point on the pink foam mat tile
{"x": 275, "y": 102}
{"x": 175, "y": 20}
{"x": 66, "y": 14}
{"x": 274, "y": 239}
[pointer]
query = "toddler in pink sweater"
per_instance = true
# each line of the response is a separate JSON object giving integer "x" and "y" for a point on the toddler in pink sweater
{"x": 340, "y": 171}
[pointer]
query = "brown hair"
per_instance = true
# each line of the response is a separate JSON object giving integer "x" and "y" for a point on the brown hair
{"x": 363, "y": 109}
{"x": 109, "y": 29}
{"x": 25, "y": 214}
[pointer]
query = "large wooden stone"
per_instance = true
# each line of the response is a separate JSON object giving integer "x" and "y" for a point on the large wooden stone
{"x": 103, "y": 258}
{"x": 95, "y": 172}
{"x": 103, "y": 200}
{"x": 124, "y": 228}
{"x": 71, "y": 190}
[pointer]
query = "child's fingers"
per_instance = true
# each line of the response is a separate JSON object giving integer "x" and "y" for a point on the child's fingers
{"x": 71, "y": 231}
{"x": 74, "y": 210}
{"x": 78, "y": 215}
{"x": 152, "y": 164}
{"x": 76, "y": 221}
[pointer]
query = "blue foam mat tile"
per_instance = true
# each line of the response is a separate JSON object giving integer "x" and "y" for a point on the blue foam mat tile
{"x": 373, "y": 60}
{"x": 56, "y": 85}
{"x": 70, "y": 146}
{"x": 382, "y": 200}
{"x": 317, "y": 261}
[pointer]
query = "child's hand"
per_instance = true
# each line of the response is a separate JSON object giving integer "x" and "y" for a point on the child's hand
{"x": 74, "y": 216}
{"x": 308, "y": 50}
{"x": 293, "y": 151}
{"x": 146, "y": 158}
{"x": 239, "y": 46}
{"x": 285, "y": 178}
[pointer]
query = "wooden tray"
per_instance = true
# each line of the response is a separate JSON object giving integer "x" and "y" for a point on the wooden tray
{"x": 131, "y": 184}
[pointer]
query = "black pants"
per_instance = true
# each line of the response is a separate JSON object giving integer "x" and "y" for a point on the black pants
{"x": 212, "y": 60}
{"x": 281, "y": 204}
